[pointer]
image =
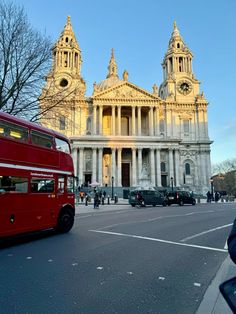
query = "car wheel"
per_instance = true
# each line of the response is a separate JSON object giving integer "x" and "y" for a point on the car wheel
{"x": 181, "y": 203}
{"x": 164, "y": 204}
{"x": 132, "y": 205}
{"x": 65, "y": 221}
{"x": 194, "y": 202}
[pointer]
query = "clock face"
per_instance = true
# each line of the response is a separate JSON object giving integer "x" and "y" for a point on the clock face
{"x": 184, "y": 87}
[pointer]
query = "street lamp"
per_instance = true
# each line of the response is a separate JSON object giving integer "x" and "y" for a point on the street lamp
{"x": 112, "y": 188}
{"x": 172, "y": 182}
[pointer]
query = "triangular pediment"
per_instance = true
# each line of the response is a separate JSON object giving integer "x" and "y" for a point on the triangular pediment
{"x": 125, "y": 91}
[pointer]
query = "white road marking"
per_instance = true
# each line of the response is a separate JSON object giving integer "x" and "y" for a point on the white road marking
{"x": 161, "y": 278}
{"x": 205, "y": 232}
{"x": 226, "y": 245}
{"x": 50, "y": 260}
{"x": 160, "y": 240}
{"x": 129, "y": 273}
{"x": 197, "y": 284}
{"x": 154, "y": 219}
{"x": 28, "y": 257}
{"x": 99, "y": 268}
{"x": 74, "y": 264}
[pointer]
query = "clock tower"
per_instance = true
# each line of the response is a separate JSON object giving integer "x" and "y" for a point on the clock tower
{"x": 179, "y": 83}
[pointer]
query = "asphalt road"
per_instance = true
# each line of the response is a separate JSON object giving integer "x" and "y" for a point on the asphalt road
{"x": 147, "y": 260}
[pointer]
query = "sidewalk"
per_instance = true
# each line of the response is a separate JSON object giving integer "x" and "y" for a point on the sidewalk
{"x": 81, "y": 208}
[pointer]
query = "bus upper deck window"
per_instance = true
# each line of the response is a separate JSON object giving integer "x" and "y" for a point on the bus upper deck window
{"x": 62, "y": 145}
{"x": 41, "y": 139}
{"x": 14, "y": 131}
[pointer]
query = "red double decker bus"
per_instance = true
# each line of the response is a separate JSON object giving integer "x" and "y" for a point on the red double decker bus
{"x": 36, "y": 178}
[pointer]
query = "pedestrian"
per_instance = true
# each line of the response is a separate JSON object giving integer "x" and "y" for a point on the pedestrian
{"x": 104, "y": 194}
{"x": 96, "y": 201}
{"x": 217, "y": 197}
{"x": 208, "y": 197}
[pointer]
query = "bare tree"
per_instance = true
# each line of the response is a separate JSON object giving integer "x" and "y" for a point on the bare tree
{"x": 25, "y": 58}
{"x": 225, "y": 176}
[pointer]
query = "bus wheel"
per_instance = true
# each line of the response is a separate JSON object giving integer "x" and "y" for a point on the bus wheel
{"x": 65, "y": 221}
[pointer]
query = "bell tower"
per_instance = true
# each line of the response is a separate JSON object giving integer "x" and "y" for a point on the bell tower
{"x": 64, "y": 93}
{"x": 179, "y": 82}
{"x": 64, "y": 78}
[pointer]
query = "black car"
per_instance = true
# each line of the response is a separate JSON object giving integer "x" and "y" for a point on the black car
{"x": 148, "y": 197}
{"x": 180, "y": 197}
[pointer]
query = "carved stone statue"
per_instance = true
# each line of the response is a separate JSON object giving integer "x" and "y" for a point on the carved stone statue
{"x": 144, "y": 172}
{"x": 155, "y": 89}
{"x": 125, "y": 75}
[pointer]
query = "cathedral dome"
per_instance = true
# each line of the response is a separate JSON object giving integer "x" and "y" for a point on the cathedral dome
{"x": 107, "y": 83}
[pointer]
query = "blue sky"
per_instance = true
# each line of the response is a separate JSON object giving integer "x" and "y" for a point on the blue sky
{"x": 139, "y": 31}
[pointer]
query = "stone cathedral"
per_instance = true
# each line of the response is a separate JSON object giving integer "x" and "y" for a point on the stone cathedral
{"x": 124, "y": 135}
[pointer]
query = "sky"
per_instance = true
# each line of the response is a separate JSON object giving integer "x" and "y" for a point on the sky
{"x": 139, "y": 32}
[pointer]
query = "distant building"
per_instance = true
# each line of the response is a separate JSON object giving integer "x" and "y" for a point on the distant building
{"x": 128, "y": 133}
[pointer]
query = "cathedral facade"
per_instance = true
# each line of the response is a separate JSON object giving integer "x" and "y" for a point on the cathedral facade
{"x": 123, "y": 135}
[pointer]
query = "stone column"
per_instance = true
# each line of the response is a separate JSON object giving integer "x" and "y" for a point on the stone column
{"x": 134, "y": 167}
{"x": 75, "y": 160}
{"x": 152, "y": 166}
{"x": 157, "y": 127}
{"x": 151, "y": 121}
{"x": 133, "y": 122}
{"x": 94, "y": 174}
{"x": 119, "y": 119}
{"x": 113, "y": 162}
{"x": 100, "y": 120}
{"x": 113, "y": 125}
{"x": 139, "y": 163}
{"x": 139, "y": 122}
{"x": 171, "y": 168}
{"x": 119, "y": 157}
{"x": 158, "y": 172}
{"x": 81, "y": 166}
{"x": 95, "y": 120}
{"x": 100, "y": 166}
{"x": 176, "y": 167}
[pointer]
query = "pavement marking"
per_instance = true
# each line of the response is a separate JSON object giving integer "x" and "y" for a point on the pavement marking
{"x": 226, "y": 245}
{"x": 154, "y": 219}
{"x": 197, "y": 284}
{"x": 205, "y": 232}
{"x": 160, "y": 240}
{"x": 161, "y": 278}
{"x": 99, "y": 268}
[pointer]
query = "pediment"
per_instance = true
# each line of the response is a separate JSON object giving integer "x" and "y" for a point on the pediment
{"x": 125, "y": 91}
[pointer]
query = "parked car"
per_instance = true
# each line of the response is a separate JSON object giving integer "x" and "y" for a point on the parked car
{"x": 148, "y": 197}
{"x": 180, "y": 197}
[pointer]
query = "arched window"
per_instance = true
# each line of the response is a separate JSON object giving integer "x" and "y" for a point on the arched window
{"x": 62, "y": 123}
{"x": 187, "y": 169}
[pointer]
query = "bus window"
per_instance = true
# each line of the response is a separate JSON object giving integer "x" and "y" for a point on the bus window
{"x": 62, "y": 145}
{"x": 13, "y": 131}
{"x": 70, "y": 184}
{"x": 13, "y": 184}
{"x": 61, "y": 184}
{"x": 42, "y": 186}
{"x": 41, "y": 139}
